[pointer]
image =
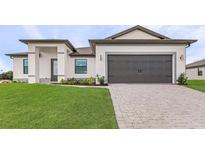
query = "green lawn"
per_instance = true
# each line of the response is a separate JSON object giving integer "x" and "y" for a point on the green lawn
{"x": 54, "y": 106}
{"x": 197, "y": 84}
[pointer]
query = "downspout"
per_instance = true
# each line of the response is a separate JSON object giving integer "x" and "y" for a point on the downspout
{"x": 188, "y": 45}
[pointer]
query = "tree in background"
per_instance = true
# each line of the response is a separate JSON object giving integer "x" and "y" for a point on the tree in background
{"x": 6, "y": 75}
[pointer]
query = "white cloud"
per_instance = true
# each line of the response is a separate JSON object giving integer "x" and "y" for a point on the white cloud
{"x": 155, "y": 27}
{"x": 197, "y": 50}
{"x": 33, "y": 31}
{"x": 80, "y": 35}
{"x": 197, "y": 33}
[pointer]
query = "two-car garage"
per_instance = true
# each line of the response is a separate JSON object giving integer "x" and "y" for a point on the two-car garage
{"x": 140, "y": 55}
{"x": 139, "y": 68}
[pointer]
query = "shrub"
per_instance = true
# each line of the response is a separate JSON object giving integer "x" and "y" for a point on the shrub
{"x": 72, "y": 81}
{"x": 6, "y": 75}
{"x": 182, "y": 79}
{"x": 91, "y": 81}
{"x": 83, "y": 82}
{"x": 63, "y": 81}
{"x": 101, "y": 79}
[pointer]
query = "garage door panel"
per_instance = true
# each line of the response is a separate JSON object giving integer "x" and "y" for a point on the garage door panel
{"x": 139, "y": 68}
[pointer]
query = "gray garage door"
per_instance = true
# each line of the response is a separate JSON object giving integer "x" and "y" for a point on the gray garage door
{"x": 139, "y": 68}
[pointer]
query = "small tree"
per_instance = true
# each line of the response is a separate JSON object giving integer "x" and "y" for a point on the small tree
{"x": 6, "y": 75}
{"x": 182, "y": 79}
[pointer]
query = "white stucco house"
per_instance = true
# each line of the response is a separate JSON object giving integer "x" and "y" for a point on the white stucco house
{"x": 196, "y": 70}
{"x": 136, "y": 55}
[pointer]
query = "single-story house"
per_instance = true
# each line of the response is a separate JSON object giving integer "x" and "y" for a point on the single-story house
{"x": 136, "y": 55}
{"x": 196, "y": 70}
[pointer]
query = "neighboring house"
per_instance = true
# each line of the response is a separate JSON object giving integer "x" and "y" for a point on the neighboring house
{"x": 136, "y": 55}
{"x": 196, "y": 70}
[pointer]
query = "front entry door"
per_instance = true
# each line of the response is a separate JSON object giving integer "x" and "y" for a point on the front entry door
{"x": 54, "y": 70}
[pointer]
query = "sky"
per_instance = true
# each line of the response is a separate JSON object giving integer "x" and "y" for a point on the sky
{"x": 78, "y": 35}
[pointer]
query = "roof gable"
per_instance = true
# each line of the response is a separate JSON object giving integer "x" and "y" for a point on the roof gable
{"x": 137, "y": 32}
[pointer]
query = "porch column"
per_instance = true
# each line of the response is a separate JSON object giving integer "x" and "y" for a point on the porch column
{"x": 62, "y": 62}
{"x": 33, "y": 64}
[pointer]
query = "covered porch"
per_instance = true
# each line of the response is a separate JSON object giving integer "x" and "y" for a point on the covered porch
{"x": 47, "y": 60}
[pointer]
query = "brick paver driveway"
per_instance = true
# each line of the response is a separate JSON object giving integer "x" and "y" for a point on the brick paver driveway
{"x": 158, "y": 106}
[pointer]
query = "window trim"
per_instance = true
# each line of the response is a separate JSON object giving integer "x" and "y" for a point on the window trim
{"x": 24, "y": 70}
{"x": 200, "y": 74}
{"x": 82, "y": 66}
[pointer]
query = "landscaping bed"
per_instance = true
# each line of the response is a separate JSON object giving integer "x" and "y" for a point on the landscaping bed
{"x": 85, "y": 82}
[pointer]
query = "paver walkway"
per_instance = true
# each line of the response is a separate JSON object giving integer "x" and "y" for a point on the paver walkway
{"x": 158, "y": 106}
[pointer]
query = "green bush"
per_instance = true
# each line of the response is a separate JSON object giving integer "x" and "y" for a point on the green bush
{"x": 101, "y": 79}
{"x": 73, "y": 81}
{"x": 182, "y": 79}
{"x": 6, "y": 76}
{"x": 83, "y": 82}
{"x": 91, "y": 81}
{"x": 63, "y": 81}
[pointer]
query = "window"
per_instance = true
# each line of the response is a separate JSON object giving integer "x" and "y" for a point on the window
{"x": 81, "y": 66}
{"x": 200, "y": 73}
{"x": 25, "y": 66}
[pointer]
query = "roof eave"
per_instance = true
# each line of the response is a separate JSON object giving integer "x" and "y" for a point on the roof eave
{"x": 190, "y": 67}
{"x": 137, "y": 41}
{"x": 67, "y": 42}
{"x": 83, "y": 55}
{"x": 16, "y": 54}
{"x": 143, "y": 41}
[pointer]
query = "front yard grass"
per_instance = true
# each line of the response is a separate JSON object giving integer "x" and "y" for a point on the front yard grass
{"x": 197, "y": 85}
{"x": 53, "y": 106}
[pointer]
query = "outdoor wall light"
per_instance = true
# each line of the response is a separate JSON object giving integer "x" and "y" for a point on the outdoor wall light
{"x": 100, "y": 57}
{"x": 182, "y": 57}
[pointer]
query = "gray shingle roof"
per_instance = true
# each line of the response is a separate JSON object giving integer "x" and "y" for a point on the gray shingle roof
{"x": 84, "y": 51}
{"x": 196, "y": 64}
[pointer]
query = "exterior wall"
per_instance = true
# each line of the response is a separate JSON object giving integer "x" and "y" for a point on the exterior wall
{"x": 176, "y": 50}
{"x": 67, "y": 62}
{"x": 90, "y": 67}
{"x": 40, "y": 64}
{"x": 95, "y": 65}
{"x": 192, "y": 73}
{"x": 18, "y": 69}
{"x": 62, "y": 54}
{"x": 137, "y": 34}
{"x": 33, "y": 64}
